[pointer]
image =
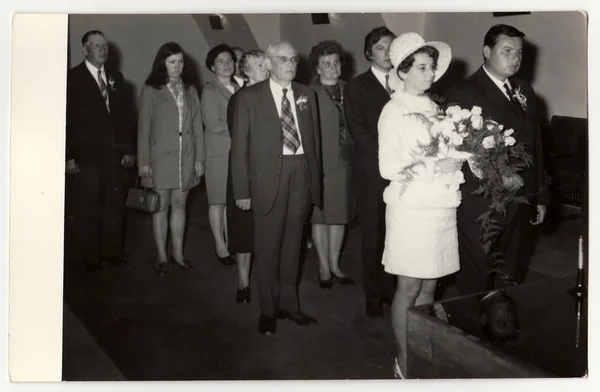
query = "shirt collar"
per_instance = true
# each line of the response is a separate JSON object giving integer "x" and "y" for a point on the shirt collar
{"x": 497, "y": 81}
{"x": 92, "y": 68}
{"x": 276, "y": 87}
{"x": 378, "y": 73}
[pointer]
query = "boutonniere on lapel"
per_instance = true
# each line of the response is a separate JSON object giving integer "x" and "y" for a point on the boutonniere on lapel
{"x": 111, "y": 83}
{"x": 521, "y": 98}
{"x": 301, "y": 102}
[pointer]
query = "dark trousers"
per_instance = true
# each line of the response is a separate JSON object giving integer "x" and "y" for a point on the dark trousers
{"x": 517, "y": 242}
{"x": 278, "y": 236}
{"x": 100, "y": 204}
{"x": 377, "y": 283}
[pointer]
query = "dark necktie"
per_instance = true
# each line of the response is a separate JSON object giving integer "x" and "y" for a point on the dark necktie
{"x": 290, "y": 134}
{"x": 103, "y": 88}
{"x": 387, "y": 84}
{"x": 510, "y": 93}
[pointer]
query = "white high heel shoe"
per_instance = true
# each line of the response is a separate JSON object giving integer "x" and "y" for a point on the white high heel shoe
{"x": 397, "y": 372}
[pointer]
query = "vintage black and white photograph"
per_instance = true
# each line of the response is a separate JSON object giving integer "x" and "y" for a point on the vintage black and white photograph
{"x": 326, "y": 196}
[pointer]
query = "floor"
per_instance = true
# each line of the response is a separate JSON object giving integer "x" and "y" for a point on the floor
{"x": 131, "y": 324}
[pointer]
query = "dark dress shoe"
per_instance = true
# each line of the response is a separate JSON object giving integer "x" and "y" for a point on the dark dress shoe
{"x": 162, "y": 267}
{"x": 115, "y": 261}
{"x": 374, "y": 311}
{"x": 266, "y": 325}
{"x": 325, "y": 284}
{"x": 185, "y": 265}
{"x": 92, "y": 267}
{"x": 343, "y": 280}
{"x": 227, "y": 260}
{"x": 298, "y": 317}
{"x": 243, "y": 295}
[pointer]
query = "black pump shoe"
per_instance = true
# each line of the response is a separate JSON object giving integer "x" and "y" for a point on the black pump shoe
{"x": 326, "y": 284}
{"x": 185, "y": 265}
{"x": 227, "y": 260}
{"x": 162, "y": 267}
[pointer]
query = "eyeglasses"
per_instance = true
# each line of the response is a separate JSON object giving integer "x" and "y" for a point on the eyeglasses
{"x": 282, "y": 59}
{"x": 329, "y": 64}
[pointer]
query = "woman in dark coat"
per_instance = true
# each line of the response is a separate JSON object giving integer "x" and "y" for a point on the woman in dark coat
{"x": 328, "y": 224}
{"x": 240, "y": 222}
{"x": 170, "y": 147}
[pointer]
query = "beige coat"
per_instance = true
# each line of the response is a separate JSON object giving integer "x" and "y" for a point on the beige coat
{"x": 171, "y": 156}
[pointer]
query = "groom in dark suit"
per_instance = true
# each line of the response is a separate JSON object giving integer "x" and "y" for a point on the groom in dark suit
{"x": 512, "y": 103}
{"x": 364, "y": 98}
{"x": 275, "y": 170}
{"x": 100, "y": 131}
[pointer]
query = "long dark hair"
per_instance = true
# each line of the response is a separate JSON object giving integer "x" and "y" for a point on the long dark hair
{"x": 158, "y": 77}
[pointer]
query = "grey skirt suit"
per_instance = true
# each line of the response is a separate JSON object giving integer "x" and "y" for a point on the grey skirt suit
{"x": 338, "y": 204}
{"x": 215, "y": 97}
{"x": 171, "y": 152}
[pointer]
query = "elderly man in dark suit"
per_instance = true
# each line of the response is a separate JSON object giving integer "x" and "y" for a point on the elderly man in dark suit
{"x": 276, "y": 172}
{"x": 100, "y": 131}
{"x": 512, "y": 103}
{"x": 364, "y": 98}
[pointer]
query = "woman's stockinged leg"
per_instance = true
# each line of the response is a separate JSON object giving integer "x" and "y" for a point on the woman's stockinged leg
{"x": 177, "y": 222}
{"x": 407, "y": 291}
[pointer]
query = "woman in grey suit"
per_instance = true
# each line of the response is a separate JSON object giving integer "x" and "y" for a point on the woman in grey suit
{"x": 171, "y": 151}
{"x": 215, "y": 96}
{"x": 326, "y": 59}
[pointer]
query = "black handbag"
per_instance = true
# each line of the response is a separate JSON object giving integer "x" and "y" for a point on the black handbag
{"x": 143, "y": 199}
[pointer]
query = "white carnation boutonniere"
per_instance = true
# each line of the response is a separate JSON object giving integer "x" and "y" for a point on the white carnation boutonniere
{"x": 301, "y": 102}
{"x": 111, "y": 83}
{"x": 521, "y": 98}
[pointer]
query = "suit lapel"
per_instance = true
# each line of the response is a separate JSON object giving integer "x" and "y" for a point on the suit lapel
{"x": 92, "y": 83}
{"x": 496, "y": 97}
{"x": 269, "y": 101}
{"x": 300, "y": 113}
{"x": 374, "y": 83}
{"x": 111, "y": 88}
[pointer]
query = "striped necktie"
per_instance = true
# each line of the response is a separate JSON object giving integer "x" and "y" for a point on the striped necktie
{"x": 290, "y": 133}
{"x": 103, "y": 88}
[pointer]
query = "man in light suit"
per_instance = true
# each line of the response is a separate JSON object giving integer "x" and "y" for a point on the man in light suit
{"x": 276, "y": 172}
{"x": 364, "y": 98}
{"x": 512, "y": 103}
{"x": 99, "y": 146}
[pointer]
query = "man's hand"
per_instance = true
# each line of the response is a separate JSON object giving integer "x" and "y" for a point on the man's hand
{"x": 128, "y": 161}
{"x": 199, "y": 166}
{"x": 71, "y": 167}
{"x": 541, "y": 215}
{"x": 145, "y": 171}
{"x": 244, "y": 204}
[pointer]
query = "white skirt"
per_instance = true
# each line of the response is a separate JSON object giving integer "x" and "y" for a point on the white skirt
{"x": 421, "y": 243}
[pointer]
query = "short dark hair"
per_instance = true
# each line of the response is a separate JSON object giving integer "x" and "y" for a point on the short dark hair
{"x": 408, "y": 62}
{"x": 373, "y": 37}
{"x": 324, "y": 48}
{"x": 491, "y": 37}
{"x": 215, "y": 52}
{"x": 87, "y": 36}
{"x": 158, "y": 75}
{"x": 246, "y": 58}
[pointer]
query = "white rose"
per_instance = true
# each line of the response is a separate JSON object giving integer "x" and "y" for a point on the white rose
{"x": 461, "y": 127}
{"x": 453, "y": 110}
{"x": 508, "y": 132}
{"x": 447, "y": 128}
{"x": 464, "y": 114}
{"x": 476, "y": 110}
{"x": 488, "y": 142}
{"x": 500, "y": 127}
{"x": 490, "y": 126}
{"x": 477, "y": 122}
{"x": 456, "y": 139}
{"x": 509, "y": 141}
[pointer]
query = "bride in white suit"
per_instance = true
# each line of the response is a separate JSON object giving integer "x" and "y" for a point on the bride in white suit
{"x": 421, "y": 241}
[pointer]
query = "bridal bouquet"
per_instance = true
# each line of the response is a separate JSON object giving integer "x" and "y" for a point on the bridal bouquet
{"x": 494, "y": 157}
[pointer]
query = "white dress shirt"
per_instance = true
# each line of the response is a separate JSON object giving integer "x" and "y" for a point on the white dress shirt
{"x": 277, "y": 92}
{"x": 239, "y": 80}
{"x": 380, "y": 75}
{"x": 499, "y": 83}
